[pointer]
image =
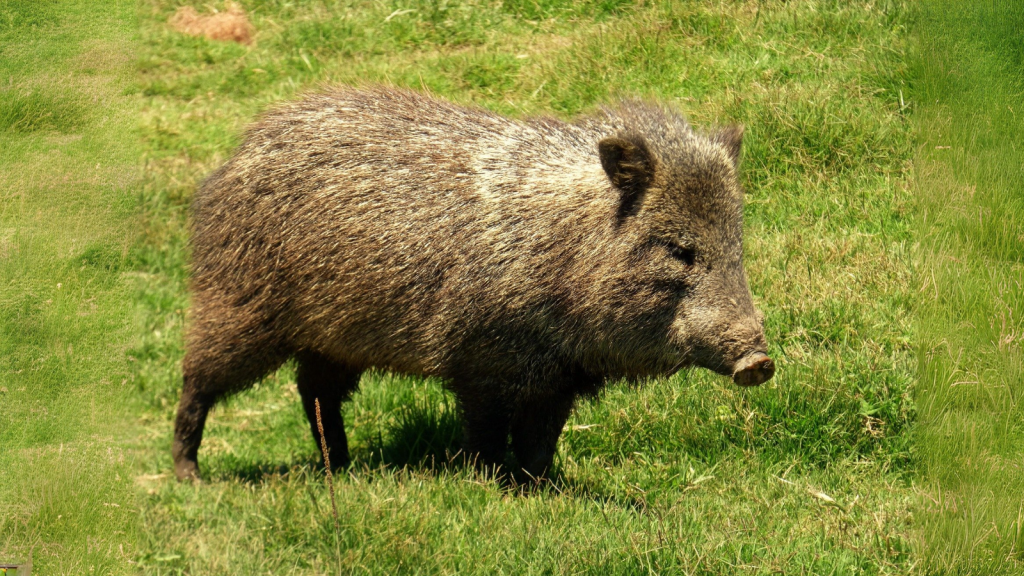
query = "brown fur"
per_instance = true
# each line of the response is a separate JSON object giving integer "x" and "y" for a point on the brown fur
{"x": 524, "y": 262}
{"x": 231, "y": 25}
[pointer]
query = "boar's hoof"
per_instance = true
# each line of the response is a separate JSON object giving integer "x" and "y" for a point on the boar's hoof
{"x": 753, "y": 370}
{"x": 187, "y": 471}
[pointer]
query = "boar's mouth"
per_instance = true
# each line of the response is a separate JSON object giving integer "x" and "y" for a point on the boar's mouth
{"x": 753, "y": 369}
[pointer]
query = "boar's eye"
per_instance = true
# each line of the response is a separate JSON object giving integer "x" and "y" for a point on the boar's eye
{"x": 685, "y": 255}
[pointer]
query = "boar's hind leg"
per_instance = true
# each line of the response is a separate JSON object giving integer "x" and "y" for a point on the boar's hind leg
{"x": 322, "y": 379}
{"x": 188, "y": 428}
{"x": 226, "y": 353}
{"x": 536, "y": 426}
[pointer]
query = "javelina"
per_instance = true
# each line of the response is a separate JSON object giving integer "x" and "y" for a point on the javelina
{"x": 524, "y": 262}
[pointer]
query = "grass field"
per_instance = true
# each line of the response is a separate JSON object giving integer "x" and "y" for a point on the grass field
{"x": 883, "y": 244}
{"x": 811, "y": 472}
{"x": 68, "y": 179}
{"x": 968, "y": 170}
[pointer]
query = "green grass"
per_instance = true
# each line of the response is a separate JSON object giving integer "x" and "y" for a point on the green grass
{"x": 67, "y": 172}
{"x": 811, "y": 473}
{"x": 886, "y": 255}
{"x": 968, "y": 173}
{"x": 36, "y": 110}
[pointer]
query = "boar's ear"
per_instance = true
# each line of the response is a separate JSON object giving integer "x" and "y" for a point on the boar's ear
{"x": 731, "y": 139}
{"x": 629, "y": 166}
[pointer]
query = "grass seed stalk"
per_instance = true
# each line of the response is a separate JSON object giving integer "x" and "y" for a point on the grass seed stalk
{"x": 327, "y": 462}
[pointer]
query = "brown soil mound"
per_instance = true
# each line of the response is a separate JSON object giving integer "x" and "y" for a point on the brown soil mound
{"x": 231, "y": 24}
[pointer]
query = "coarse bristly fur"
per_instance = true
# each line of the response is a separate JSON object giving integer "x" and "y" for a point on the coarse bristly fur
{"x": 524, "y": 262}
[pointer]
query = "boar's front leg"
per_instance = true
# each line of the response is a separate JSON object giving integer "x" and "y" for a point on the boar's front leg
{"x": 485, "y": 422}
{"x": 536, "y": 426}
{"x": 320, "y": 378}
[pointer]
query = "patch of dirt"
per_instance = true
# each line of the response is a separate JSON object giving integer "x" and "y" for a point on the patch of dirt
{"x": 231, "y": 25}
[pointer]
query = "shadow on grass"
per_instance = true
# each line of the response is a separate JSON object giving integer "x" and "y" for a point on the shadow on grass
{"x": 426, "y": 438}
{"x": 254, "y": 472}
{"x": 423, "y": 437}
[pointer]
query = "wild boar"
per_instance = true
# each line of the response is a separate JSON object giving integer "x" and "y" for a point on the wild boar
{"x": 524, "y": 262}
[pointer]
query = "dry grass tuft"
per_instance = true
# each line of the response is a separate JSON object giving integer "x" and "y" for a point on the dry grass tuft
{"x": 230, "y": 25}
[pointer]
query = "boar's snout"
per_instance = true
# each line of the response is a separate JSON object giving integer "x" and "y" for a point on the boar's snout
{"x": 754, "y": 369}
{"x": 731, "y": 347}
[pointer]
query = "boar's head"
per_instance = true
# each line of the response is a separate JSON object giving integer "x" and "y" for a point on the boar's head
{"x": 675, "y": 275}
